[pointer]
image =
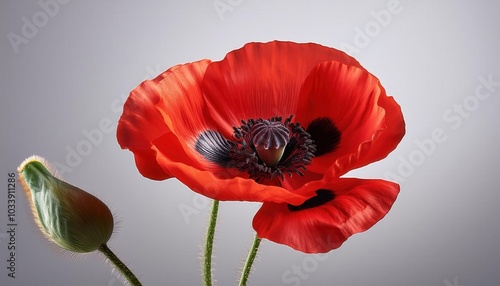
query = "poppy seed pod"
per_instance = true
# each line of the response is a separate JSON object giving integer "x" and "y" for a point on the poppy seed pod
{"x": 70, "y": 217}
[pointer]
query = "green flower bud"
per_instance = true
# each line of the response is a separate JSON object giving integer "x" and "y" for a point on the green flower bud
{"x": 70, "y": 217}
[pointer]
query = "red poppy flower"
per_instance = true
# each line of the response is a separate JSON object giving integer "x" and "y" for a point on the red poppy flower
{"x": 277, "y": 123}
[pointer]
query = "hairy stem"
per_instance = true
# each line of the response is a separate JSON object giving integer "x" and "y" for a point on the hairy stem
{"x": 127, "y": 273}
{"x": 207, "y": 261}
{"x": 250, "y": 259}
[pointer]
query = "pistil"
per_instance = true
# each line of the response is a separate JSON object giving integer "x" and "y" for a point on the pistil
{"x": 270, "y": 139}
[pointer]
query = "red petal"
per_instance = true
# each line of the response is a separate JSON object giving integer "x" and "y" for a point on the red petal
{"x": 145, "y": 160}
{"x": 262, "y": 80}
{"x": 359, "y": 107}
{"x": 357, "y": 206}
{"x": 389, "y": 138}
{"x": 140, "y": 124}
{"x": 182, "y": 105}
{"x": 170, "y": 103}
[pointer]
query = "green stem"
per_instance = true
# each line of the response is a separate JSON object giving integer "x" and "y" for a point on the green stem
{"x": 248, "y": 264}
{"x": 207, "y": 263}
{"x": 131, "y": 278}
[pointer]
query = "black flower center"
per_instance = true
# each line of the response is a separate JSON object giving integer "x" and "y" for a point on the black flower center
{"x": 268, "y": 149}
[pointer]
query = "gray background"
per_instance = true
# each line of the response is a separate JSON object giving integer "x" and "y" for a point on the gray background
{"x": 85, "y": 58}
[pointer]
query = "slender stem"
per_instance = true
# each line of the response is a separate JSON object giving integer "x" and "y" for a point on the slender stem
{"x": 207, "y": 262}
{"x": 131, "y": 278}
{"x": 248, "y": 264}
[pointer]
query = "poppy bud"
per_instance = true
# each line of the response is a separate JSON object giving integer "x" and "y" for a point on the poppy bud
{"x": 70, "y": 217}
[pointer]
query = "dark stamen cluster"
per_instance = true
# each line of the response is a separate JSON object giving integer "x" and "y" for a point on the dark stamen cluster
{"x": 298, "y": 152}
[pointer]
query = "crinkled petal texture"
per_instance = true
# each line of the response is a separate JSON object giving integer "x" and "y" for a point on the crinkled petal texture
{"x": 139, "y": 125}
{"x": 171, "y": 105}
{"x": 354, "y": 206}
{"x": 369, "y": 122}
{"x": 263, "y": 80}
